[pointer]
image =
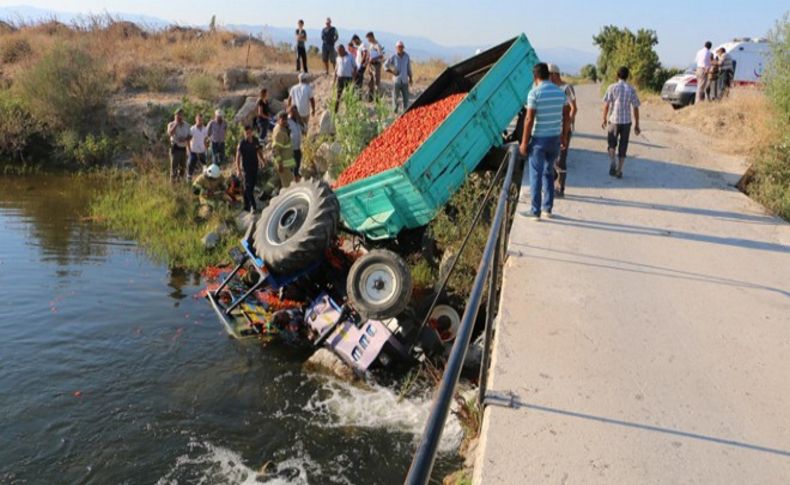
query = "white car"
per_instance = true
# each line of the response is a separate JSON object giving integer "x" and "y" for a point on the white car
{"x": 749, "y": 57}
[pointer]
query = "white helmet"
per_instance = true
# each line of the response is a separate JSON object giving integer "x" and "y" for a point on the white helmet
{"x": 212, "y": 171}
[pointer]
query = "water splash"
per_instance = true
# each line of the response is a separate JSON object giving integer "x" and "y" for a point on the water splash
{"x": 340, "y": 404}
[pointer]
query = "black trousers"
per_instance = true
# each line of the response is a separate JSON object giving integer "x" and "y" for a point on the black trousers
{"x": 301, "y": 58}
{"x": 250, "y": 177}
{"x": 342, "y": 82}
{"x": 561, "y": 166}
{"x": 298, "y": 158}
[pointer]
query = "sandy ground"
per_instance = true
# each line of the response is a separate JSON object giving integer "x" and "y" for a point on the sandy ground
{"x": 644, "y": 333}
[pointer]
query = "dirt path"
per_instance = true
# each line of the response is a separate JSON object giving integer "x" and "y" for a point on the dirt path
{"x": 644, "y": 335}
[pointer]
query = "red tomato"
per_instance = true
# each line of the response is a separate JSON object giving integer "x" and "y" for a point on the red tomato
{"x": 399, "y": 142}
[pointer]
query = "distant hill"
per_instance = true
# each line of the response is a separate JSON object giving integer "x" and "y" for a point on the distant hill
{"x": 420, "y": 48}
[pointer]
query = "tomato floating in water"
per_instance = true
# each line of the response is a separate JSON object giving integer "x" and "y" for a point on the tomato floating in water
{"x": 398, "y": 142}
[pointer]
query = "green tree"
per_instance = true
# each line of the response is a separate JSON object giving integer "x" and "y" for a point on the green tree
{"x": 589, "y": 72}
{"x": 621, "y": 47}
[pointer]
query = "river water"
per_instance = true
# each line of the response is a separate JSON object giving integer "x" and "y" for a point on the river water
{"x": 113, "y": 370}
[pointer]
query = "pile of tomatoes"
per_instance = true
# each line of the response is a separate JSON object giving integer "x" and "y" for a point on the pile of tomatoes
{"x": 398, "y": 142}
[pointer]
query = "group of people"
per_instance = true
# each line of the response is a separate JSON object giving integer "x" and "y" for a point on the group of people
{"x": 548, "y": 126}
{"x": 715, "y": 72}
{"x": 359, "y": 64}
{"x": 201, "y": 148}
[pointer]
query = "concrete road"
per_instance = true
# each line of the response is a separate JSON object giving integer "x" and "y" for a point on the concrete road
{"x": 644, "y": 332}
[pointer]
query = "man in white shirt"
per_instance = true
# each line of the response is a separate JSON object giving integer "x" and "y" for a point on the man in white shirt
{"x": 345, "y": 70}
{"x": 301, "y": 96}
{"x": 361, "y": 61}
{"x": 197, "y": 145}
{"x": 703, "y": 66}
{"x": 375, "y": 61}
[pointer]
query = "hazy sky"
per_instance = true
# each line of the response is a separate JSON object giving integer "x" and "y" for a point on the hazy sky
{"x": 682, "y": 26}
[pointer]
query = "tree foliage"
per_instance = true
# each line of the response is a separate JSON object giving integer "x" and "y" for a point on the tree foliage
{"x": 589, "y": 72}
{"x": 622, "y": 47}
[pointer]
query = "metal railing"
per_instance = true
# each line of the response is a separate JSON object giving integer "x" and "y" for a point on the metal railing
{"x": 489, "y": 267}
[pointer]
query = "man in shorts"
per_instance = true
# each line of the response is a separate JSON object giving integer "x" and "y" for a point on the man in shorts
{"x": 620, "y": 98}
{"x": 328, "y": 40}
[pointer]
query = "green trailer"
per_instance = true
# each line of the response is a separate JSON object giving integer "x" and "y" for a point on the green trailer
{"x": 497, "y": 82}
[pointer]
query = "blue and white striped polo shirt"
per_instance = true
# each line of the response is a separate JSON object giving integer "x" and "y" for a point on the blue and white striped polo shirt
{"x": 548, "y": 101}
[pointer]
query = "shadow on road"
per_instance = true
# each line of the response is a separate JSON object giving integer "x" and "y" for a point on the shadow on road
{"x": 654, "y": 231}
{"x": 641, "y": 268}
{"x": 588, "y": 168}
{"x": 632, "y": 140}
{"x": 514, "y": 401}
{"x": 723, "y": 215}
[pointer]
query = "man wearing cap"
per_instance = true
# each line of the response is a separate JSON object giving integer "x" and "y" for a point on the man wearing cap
{"x": 178, "y": 132}
{"x": 328, "y": 40}
{"x": 399, "y": 65}
{"x": 345, "y": 70}
{"x": 301, "y": 96}
{"x": 216, "y": 131}
{"x": 561, "y": 165}
{"x": 249, "y": 154}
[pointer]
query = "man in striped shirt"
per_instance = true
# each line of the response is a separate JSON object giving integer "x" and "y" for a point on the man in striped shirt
{"x": 545, "y": 132}
{"x": 619, "y": 99}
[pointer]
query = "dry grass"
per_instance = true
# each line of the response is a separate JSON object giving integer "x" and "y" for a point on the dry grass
{"x": 740, "y": 123}
{"x": 128, "y": 50}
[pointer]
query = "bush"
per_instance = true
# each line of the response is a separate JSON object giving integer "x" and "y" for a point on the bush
{"x": 357, "y": 126}
{"x": 203, "y": 86}
{"x": 662, "y": 75}
{"x": 67, "y": 89}
{"x": 589, "y": 72}
{"x": 771, "y": 184}
{"x": 17, "y": 127}
{"x": 89, "y": 151}
{"x": 777, "y": 73}
{"x": 148, "y": 78}
{"x": 15, "y": 50}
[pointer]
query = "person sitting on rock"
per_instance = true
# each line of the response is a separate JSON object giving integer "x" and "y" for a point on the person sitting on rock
{"x": 282, "y": 151}
{"x": 210, "y": 187}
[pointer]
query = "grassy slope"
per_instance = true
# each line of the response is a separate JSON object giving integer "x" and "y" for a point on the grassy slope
{"x": 163, "y": 218}
{"x": 743, "y": 124}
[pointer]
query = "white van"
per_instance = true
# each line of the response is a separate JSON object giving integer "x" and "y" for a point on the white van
{"x": 750, "y": 57}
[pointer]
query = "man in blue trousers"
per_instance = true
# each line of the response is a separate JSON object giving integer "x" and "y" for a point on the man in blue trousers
{"x": 545, "y": 132}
